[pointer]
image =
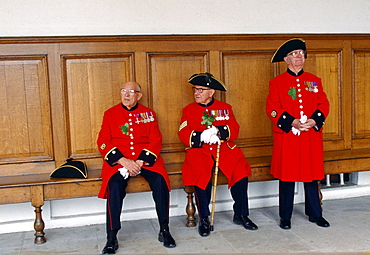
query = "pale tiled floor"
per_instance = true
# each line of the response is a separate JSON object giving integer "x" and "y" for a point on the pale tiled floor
{"x": 349, "y": 234}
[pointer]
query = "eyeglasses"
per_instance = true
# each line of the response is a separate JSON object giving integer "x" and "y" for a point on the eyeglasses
{"x": 130, "y": 91}
{"x": 295, "y": 54}
{"x": 199, "y": 90}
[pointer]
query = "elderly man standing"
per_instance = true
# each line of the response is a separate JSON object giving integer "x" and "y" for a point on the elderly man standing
{"x": 130, "y": 143}
{"x": 297, "y": 105}
{"x": 204, "y": 124}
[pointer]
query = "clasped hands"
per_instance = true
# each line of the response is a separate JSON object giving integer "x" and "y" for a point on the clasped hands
{"x": 129, "y": 167}
{"x": 301, "y": 125}
{"x": 210, "y": 136}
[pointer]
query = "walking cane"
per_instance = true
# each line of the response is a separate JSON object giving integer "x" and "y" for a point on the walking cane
{"x": 215, "y": 187}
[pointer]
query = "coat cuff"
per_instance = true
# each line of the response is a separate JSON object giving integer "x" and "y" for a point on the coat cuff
{"x": 195, "y": 139}
{"x": 113, "y": 156}
{"x": 224, "y": 132}
{"x": 285, "y": 122}
{"x": 148, "y": 157}
{"x": 319, "y": 118}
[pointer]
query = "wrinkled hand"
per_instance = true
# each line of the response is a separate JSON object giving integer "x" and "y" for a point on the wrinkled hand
{"x": 301, "y": 125}
{"x": 308, "y": 124}
{"x": 206, "y": 134}
{"x": 133, "y": 167}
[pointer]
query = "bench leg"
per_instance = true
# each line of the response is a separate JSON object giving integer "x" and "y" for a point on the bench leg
{"x": 37, "y": 200}
{"x": 190, "y": 208}
{"x": 39, "y": 227}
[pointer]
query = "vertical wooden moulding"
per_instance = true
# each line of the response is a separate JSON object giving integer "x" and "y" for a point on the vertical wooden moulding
{"x": 190, "y": 208}
{"x": 37, "y": 200}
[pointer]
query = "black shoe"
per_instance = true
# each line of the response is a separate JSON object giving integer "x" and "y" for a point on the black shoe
{"x": 320, "y": 221}
{"x": 110, "y": 247}
{"x": 245, "y": 221}
{"x": 165, "y": 237}
{"x": 285, "y": 224}
{"x": 204, "y": 227}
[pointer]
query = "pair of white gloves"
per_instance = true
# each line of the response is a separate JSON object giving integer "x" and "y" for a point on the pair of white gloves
{"x": 209, "y": 136}
{"x": 303, "y": 120}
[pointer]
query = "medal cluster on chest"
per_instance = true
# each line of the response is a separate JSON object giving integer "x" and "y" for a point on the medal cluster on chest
{"x": 219, "y": 114}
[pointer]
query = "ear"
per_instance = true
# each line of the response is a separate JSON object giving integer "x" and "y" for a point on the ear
{"x": 139, "y": 96}
{"x": 212, "y": 92}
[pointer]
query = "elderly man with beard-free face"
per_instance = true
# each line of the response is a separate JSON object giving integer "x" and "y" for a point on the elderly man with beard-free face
{"x": 204, "y": 124}
{"x": 297, "y": 106}
{"x": 130, "y": 143}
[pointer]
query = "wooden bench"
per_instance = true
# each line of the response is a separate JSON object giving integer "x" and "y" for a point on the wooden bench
{"x": 37, "y": 188}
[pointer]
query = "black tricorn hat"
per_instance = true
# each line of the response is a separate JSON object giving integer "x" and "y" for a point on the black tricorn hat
{"x": 207, "y": 80}
{"x": 70, "y": 169}
{"x": 288, "y": 46}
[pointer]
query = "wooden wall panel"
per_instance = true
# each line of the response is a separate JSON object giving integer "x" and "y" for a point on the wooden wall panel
{"x": 170, "y": 91}
{"x": 25, "y": 133}
{"x": 93, "y": 85}
{"x": 361, "y": 92}
{"x": 247, "y": 78}
{"x": 327, "y": 66}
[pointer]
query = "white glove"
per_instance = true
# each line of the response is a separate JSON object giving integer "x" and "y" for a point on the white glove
{"x": 124, "y": 172}
{"x": 302, "y": 120}
{"x": 214, "y": 139}
{"x": 296, "y": 131}
{"x": 206, "y": 134}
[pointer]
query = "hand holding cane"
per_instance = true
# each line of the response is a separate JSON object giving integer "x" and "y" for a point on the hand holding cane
{"x": 215, "y": 186}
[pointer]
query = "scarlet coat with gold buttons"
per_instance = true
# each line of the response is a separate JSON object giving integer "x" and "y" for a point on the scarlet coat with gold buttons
{"x": 200, "y": 157}
{"x": 133, "y": 134}
{"x": 297, "y": 158}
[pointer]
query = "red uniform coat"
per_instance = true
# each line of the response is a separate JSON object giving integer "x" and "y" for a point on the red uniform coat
{"x": 297, "y": 158}
{"x": 197, "y": 167}
{"x": 133, "y": 134}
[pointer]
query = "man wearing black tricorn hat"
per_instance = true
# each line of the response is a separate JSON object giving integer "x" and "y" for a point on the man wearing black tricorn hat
{"x": 297, "y": 105}
{"x": 206, "y": 124}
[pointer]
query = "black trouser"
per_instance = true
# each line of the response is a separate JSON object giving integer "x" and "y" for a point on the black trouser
{"x": 286, "y": 199}
{"x": 239, "y": 193}
{"x": 117, "y": 192}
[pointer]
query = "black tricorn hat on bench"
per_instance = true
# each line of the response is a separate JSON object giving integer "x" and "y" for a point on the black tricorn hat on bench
{"x": 70, "y": 169}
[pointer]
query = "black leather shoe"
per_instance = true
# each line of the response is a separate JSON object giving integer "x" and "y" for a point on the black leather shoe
{"x": 245, "y": 221}
{"x": 165, "y": 237}
{"x": 320, "y": 221}
{"x": 285, "y": 224}
{"x": 110, "y": 247}
{"x": 204, "y": 227}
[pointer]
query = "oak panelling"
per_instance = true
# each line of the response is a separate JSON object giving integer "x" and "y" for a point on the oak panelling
{"x": 327, "y": 66}
{"x": 170, "y": 91}
{"x": 92, "y": 84}
{"x": 76, "y": 77}
{"x": 246, "y": 76}
{"x": 25, "y": 126}
{"x": 361, "y": 92}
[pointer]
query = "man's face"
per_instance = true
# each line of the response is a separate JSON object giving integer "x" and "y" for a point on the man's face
{"x": 295, "y": 58}
{"x": 130, "y": 94}
{"x": 203, "y": 95}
